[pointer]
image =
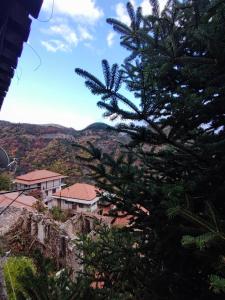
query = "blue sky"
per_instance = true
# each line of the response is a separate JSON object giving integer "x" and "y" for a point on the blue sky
{"x": 45, "y": 88}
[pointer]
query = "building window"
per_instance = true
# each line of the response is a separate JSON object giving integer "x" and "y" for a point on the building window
{"x": 53, "y": 191}
{"x": 46, "y": 193}
{"x": 74, "y": 206}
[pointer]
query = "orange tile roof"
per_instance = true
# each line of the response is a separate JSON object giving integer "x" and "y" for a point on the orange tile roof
{"x": 121, "y": 220}
{"x": 38, "y": 176}
{"x": 80, "y": 191}
{"x": 22, "y": 201}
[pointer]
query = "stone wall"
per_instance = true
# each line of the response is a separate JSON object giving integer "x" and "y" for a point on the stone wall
{"x": 55, "y": 240}
{"x": 35, "y": 231}
{"x": 9, "y": 218}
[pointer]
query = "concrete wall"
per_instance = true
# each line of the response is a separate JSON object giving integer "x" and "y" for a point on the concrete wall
{"x": 79, "y": 207}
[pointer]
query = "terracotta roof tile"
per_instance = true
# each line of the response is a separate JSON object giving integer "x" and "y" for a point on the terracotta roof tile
{"x": 38, "y": 176}
{"x": 22, "y": 201}
{"x": 120, "y": 220}
{"x": 81, "y": 191}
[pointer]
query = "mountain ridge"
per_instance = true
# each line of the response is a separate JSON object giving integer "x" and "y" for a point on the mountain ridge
{"x": 94, "y": 125}
{"x": 51, "y": 147}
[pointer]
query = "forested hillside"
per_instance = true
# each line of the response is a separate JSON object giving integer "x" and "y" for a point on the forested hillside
{"x": 51, "y": 146}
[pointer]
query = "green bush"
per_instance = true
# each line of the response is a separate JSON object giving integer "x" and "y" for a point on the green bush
{"x": 13, "y": 269}
{"x": 58, "y": 214}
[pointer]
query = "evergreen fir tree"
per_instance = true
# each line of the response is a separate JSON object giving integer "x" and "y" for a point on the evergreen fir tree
{"x": 43, "y": 283}
{"x": 171, "y": 176}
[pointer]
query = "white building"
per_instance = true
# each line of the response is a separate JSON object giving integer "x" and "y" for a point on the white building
{"x": 46, "y": 181}
{"x": 80, "y": 197}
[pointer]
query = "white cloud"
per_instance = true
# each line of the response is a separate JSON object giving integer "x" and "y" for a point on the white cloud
{"x": 82, "y": 10}
{"x": 110, "y": 38}
{"x": 55, "y": 46}
{"x": 121, "y": 13}
{"x": 162, "y": 4}
{"x": 133, "y": 3}
{"x": 64, "y": 37}
{"x": 84, "y": 34}
{"x": 146, "y": 7}
{"x": 65, "y": 32}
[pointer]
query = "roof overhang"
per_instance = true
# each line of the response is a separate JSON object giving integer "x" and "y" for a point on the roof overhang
{"x": 87, "y": 202}
{"x": 31, "y": 182}
{"x": 15, "y": 25}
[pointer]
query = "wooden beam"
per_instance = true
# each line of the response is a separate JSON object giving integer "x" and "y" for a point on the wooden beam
{"x": 6, "y": 68}
{"x": 32, "y": 6}
{"x": 4, "y": 86}
{"x": 5, "y": 6}
{"x": 20, "y": 15}
{"x": 4, "y": 77}
{"x": 14, "y": 48}
{"x": 1, "y": 102}
{"x": 10, "y": 56}
{"x": 2, "y": 94}
{"x": 9, "y": 61}
{"x": 22, "y": 30}
{"x": 19, "y": 20}
{"x": 15, "y": 17}
{"x": 14, "y": 38}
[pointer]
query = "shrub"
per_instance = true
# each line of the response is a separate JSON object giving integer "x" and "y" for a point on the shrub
{"x": 13, "y": 269}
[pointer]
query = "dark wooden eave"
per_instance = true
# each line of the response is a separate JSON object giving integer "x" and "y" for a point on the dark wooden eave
{"x": 15, "y": 22}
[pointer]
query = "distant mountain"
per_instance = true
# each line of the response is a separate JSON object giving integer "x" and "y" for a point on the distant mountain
{"x": 51, "y": 146}
{"x": 54, "y": 125}
{"x": 98, "y": 126}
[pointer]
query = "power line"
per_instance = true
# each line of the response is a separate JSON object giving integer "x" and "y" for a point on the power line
{"x": 51, "y": 15}
{"x": 38, "y": 56}
{"x": 11, "y": 203}
{"x": 21, "y": 192}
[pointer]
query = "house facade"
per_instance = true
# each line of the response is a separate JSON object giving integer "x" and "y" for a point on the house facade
{"x": 47, "y": 182}
{"x": 80, "y": 197}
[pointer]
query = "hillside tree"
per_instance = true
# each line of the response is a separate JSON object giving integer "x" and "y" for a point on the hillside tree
{"x": 5, "y": 182}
